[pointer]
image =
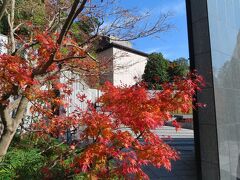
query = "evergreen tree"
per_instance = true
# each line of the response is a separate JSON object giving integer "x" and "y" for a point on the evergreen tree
{"x": 178, "y": 67}
{"x": 156, "y": 71}
{"x": 159, "y": 70}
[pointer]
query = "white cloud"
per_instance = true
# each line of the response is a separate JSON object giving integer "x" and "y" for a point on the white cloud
{"x": 168, "y": 55}
{"x": 166, "y": 51}
{"x": 151, "y": 50}
{"x": 177, "y": 7}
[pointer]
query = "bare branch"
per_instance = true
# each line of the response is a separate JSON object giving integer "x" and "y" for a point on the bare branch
{"x": 18, "y": 26}
{"x": 10, "y": 17}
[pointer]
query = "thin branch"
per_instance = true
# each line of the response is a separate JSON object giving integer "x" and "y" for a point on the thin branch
{"x": 30, "y": 130}
{"x": 50, "y": 147}
{"x": 73, "y": 13}
{"x": 17, "y": 27}
{"x": 69, "y": 58}
{"x": 80, "y": 9}
{"x": 93, "y": 58}
{"x": 25, "y": 47}
{"x": 10, "y": 18}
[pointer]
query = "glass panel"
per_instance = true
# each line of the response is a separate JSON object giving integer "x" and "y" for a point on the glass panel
{"x": 225, "y": 45}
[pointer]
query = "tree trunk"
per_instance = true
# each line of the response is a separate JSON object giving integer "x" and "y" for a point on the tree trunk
{"x": 11, "y": 124}
{"x": 6, "y": 139}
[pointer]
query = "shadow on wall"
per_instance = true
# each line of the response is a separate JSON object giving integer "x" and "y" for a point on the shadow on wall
{"x": 238, "y": 168}
{"x": 227, "y": 91}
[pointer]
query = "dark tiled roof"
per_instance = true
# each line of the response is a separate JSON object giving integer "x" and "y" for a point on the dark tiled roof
{"x": 106, "y": 44}
{"x": 124, "y": 48}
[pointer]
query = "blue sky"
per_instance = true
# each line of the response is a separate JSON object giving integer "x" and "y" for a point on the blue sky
{"x": 174, "y": 43}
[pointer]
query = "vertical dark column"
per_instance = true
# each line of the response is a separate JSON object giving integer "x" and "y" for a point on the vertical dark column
{"x": 205, "y": 126}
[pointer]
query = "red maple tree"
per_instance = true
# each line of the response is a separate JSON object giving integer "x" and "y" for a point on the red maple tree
{"x": 118, "y": 138}
{"x": 115, "y": 140}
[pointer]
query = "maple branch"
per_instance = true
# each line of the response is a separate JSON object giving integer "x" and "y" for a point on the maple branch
{"x": 50, "y": 147}
{"x": 80, "y": 9}
{"x": 17, "y": 27}
{"x": 25, "y": 47}
{"x": 69, "y": 58}
{"x": 29, "y": 130}
{"x": 14, "y": 91}
{"x": 68, "y": 21}
{"x": 72, "y": 15}
{"x": 93, "y": 58}
{"x": 71, "y": 67}
{"x": 89, "y": 40}
{"x": 52, "y": 21}
{"x": 141, "y": 133}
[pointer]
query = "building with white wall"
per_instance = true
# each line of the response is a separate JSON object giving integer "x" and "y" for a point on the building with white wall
{"x": 126, "y": 65}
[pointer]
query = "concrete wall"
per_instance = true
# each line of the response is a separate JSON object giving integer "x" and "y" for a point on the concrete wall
{"x": 82, "y": 88}
{"x": 127, "y": 66}
{"x": 3, "y": 43}
{"x": 122, "y": 67}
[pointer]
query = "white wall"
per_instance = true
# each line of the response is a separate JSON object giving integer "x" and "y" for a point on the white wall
{"x": 126, "y": 66}
{"x": 123, "y": 67}
{"x": 3, "y": 42}
{"x": 79, "y": 87}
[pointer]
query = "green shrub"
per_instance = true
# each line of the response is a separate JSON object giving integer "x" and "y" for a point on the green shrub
{"x": 21, "y": 164}
{"x": 31, "y": 159}
{"x": 24, "y": 161}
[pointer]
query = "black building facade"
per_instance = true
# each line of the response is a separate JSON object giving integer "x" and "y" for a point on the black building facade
{"x": 214, "y": 41}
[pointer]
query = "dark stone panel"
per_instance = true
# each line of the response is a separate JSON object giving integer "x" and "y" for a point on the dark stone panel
{"x": 210, "y": 171}
{"x": 215, "y": 32}
{"x": 199, "y": 7}
{"x": 205, "y": 119}
{"x": 201, "y": 43}
{"x": 206, "y": 115}
{"x": 204, "y": 67}
{"x": 208, "y": 141}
